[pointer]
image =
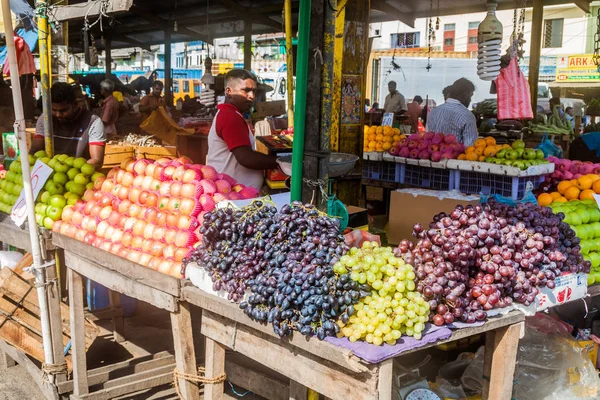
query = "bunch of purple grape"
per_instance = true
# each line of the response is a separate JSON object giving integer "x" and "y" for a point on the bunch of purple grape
{"x": 487, "y": 256}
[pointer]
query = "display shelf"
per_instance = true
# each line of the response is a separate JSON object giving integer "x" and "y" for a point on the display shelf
{"x": 13, "y": 235}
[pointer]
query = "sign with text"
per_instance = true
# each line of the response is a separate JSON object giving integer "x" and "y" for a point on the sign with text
{"x": 388, "y": 119}
{"x": 576, "y": 68}
{"x": 40, "y": 173}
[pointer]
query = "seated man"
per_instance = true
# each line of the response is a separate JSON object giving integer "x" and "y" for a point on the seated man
{"x": 77, "y": 132}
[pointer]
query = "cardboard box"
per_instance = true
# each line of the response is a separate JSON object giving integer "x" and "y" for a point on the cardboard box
{"x": 568, "y": 287}
{"x": 411, "y": 206}
{"x": 269, "y": 108}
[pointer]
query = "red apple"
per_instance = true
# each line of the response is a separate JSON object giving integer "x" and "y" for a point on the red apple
{"x": 148, "y": 230}
{"x": 190, "y": 206}
{"x": 114, "y": 218}
{"x": 137, "y": 181}
{"x": 163, "y": 161}
{"x": 147, "y": 183}
{"x": 152, "y": 199}
{"x": 174, "y": 203}
{"x": 92, "y": 224}
{"x": 154, "y": 263}
{"x": 143, "y": 198}
{"x": 106, "y": 199}
{"x": 175, "y": 270}
{"x": 77, "y": 218}
{"x": 71, "y": 230}
{"x": 181, "y": 253}
{"x": 163, "y": 202}
{"x": 134, "y": 194}
{"x": 169, "y": 251}
{"x": 175, "y": 189}
{"x": 129, "y": 223}
{"x": 105, "y": 212}
{"x": 110, "y": 231}
{"x": 88, "y": 195}
{"x": 178, "y": 173}
{"x": 96, "y": 210}
{"x": 183, "y": 160}
{"x": 172, "y": 220}
{"x": 165, "y": 188}
{"x": 124, "y": 206}
{"x": 159, "y": 232}
{"x": 137, "y": 242}
{"x": 107, "y": 186}
{"x": 134, "y": 210}
{"x": 80, "y": 234}
{"x": 134, "y": 256}
{"x": 101, "y": 229}
{"x": 56, "y": 226}
{"x": 126, "y": 239}
{"x": 170, "y": 236}
{"x": 147, "y": 246}
{"x": 185, "y": 239}
{"x": 165, "y": 266}
{"x": 140, "y": 166}
{"x": 127, "y": 179}
{"x": 67, "y": 213}
{"x": 119, "y": 176}
{"x": 145, "y": 258}
{"x": 123, "y": 193}
{"x": 151, "y": 214}
{"x": 99, "y": 182}
{"x": 127, "y": 164}
{"x": 184, "y": 222}
{"x": 191, "y": 189}
{"x": 87, "y": 209}
{"x": 150, "y": 169}
{"x": 117, "y": 236}
{"x": 155, "y": 185}
{"x": 158, "y": 172}
{"x": 190, "y": 175}
{"x": 97, "y": 242}
{"x": 161, "y": 218}
{"x": 115, "y": 248}
{"x": 123, "y": 253}
{"x": 112, "y": 173}
{"x": 106, "y": 245}
{"x": 157, "y": 248}
{"x": 138, "y": 227}
{"x": 167, "y": 173}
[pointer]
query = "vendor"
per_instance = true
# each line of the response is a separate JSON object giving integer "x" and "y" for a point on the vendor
{"x": 230, "y": 140}
{"x": 110, "y": 107}
{"x": 152, "y": 101}
{"x": 77, "y": 132}
{"x": 394, "y": 101}
{"x": 453, "y": 117}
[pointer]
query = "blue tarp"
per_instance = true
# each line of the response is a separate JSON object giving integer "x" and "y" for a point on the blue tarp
{"x": 27, "y": 27}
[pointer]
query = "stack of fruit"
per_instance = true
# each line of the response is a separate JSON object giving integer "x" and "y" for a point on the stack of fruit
{"x": 582, "y": 188}
{"x": 428, "y": 146}
{"x": 381, "y": 138}
{"x": 149, "y": 212}
{"x": 482, "y": 149}
{"x": 515, "y": 155}
{"x": 11, "y": 184}
{"x": 566, "y": 170}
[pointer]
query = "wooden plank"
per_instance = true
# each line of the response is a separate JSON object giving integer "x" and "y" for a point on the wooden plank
{"x": 258, "y": 383}
{"x": 80, "y": 381}
{"x": 104, "y": 314}
{"x": 79, "y": 11}
{"x": 500, "y": 360}
{"x": 13, "y": 235}
{"x": 120, "y": 283}
{"x": 386, "y": 375}
{"x": 215, "y": 366}
{"x": 128, "y": 269}
{"x": 301, "y": 366}
{"x": 56, "y": 325}
{"x": 297, "y": 391}
{"x": 114, "y": 299}
{"x": 183, "y": 341}
{"x": 338, "y": 355}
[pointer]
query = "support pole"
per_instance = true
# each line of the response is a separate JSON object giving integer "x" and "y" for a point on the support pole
{"x": 43, "y": 35}
{"x": 247, "y": 44}
{"x": 300, "y": 116}
{"x": 108, "y": 56}
{"x": 168, "y": 80}
{"x": 289, "y": 61}
{"x": 40, "y": 275}
{"x": 535, "y": 48}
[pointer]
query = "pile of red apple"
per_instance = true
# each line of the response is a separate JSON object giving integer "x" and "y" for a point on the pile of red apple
{"x": 149, "y": 212}
{"x": 428, "y": 146}
{"x": 570, "y": 169}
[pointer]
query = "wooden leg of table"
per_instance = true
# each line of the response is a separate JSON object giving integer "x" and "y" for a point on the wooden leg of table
{"x": 384, "y": 385}
{"x": 80, "y": 381}
{"x": 215, "y": 366}
{"x": 298, "y": 391}
{"x": 185, "y": 356}
{"x": 6, "y": 361}
{"x": 499, "y": 362}
{"x": 114, "y": 299}
{"x": 55, "y": 321}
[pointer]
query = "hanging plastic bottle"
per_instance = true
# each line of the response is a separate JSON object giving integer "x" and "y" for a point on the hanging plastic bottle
{"x": 489, "y": 38}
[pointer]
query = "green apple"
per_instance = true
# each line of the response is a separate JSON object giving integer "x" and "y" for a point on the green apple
{"x": 595, "y": 259}
{"x": 501, "y": 154}
{"x": 54, "y": 212}
{"x": 529, "y": 154}
{"x": 69, "y": 185}
{"x": 54, "y": 188}
{"x": 39, "y": 219}
{"x": 89, "y": 186}
{"x": 62, "y": 157}
{"x": 48, "y": 222}
{"x": 18, "y": 179}
{"x": 96, "y": 176}
{"x": 45, "y": 196}
{"x": 79, "y": 162}
{"x": 590, "y": 279}
{"x": 88, "y": 169}
{"x": 539, "y": 154}
{"x": 52, "y": 163}
{"x": 40, "y": 208}
{"x": 520, "y": 152}
{"x": 8, "y": 188}
{"x": 17, "y": 190}
{"x": 72, "y": 173}
{"x": 82, "y": 179}
{"x": 31, "y": 160}
{"x": 69, "y": 161}
{"x": 584, "y": 215}
{"x": 40, "y": 154}
{"x": 512, "y": 155}
{"x": 45, "y": 160}
{"x": 72, "y": 200}
{"x": 58, "y": 201}
{"x": 60, "y": 177}
{"x": 575, "y": 219}
{"x": 60, "y": 167}
{"x": 518, "y": 144}
{"x": 13, "y": 166}
{"x": 78, "y": 188}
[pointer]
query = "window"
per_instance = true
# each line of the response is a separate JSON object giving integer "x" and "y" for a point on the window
{"x": 474, "y": 25}
{"x": 472, "y": 39}
{"x": 186, "y": 86}
{"x": 449, "y": 27}
{"x": 449, "y": 42}
{"x": 553, "y": 32}
{"x": 406, "y": 40}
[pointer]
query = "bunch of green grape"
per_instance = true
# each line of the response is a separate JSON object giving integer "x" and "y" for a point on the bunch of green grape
{"x": 393, "y": 308}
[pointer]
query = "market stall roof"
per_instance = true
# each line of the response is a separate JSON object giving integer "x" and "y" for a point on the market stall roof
{"x": 142, "y": 23}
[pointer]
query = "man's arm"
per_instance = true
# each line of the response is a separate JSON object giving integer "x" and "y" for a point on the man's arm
{"x": 96, "y": 142}
{"x": 254, "y": 160}
{"x": 96, "y": 156}
{"x": 145, "y": 107}
{"x": 38, "y": 143}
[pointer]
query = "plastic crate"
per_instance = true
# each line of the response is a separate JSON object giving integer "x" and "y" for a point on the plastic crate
{"x": 97, "y": 298}
{"x": 380, "y": 171}
{"x": 515, "y": 187}
{"x": 427, "y": 177}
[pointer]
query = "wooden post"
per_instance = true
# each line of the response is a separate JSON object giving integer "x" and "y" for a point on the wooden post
{"x": 248, "y": 44}
{"x": 108, "y": 56}
{"x": 535, "y": 49}
{"x": 80, "y": 379}
{"x": 53, "y": 295}
{"x": 185, "y": 356}
{"x": 499, "y": 362}
{"x": 114, "y": 299}
{"x": 298, "y": 391}
{"x": 386, "y": 374}
{"x": 215, "y": 366}
{"x": 168, "y": 81}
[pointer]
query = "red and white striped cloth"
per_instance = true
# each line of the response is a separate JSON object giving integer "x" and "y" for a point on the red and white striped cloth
{"x": 514, "y": 101}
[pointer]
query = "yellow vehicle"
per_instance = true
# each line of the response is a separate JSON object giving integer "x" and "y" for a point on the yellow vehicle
{"x": 183, "y": 87}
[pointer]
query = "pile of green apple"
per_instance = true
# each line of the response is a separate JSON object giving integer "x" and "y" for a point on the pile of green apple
{"x": 12, "y": 184}
{"x": 584, "y": 218}
{"x": 518, "y": 156}
{"x": 65, "y": 186}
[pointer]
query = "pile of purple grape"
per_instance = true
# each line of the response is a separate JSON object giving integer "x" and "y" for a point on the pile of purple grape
{"x": 482, "y": 257}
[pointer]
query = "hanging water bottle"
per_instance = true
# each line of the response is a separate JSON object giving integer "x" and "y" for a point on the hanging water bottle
{"x": 489, "y": 38}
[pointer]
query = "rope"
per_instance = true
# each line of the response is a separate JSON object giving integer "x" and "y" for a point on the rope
{"x": 195, "y": 379}
{"x": 53, "y": 369}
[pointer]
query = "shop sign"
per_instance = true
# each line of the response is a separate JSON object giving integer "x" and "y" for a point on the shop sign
{"x": 40, "y": 173}
{"x": 576, "y": 68}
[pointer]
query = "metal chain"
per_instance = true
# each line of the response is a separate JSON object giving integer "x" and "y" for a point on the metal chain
{"x": 596, "y": 56}
{"x": 314, "y": 185}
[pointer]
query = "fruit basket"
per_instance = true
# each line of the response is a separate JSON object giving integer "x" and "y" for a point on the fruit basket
{"x": 475, "y": 182}
{"x": 385, "y": 171}
{"x": 426, "y": 176}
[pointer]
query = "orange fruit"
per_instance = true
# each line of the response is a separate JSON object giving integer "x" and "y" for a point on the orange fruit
{"x": 545, "y": 199}
{"x": 572, "y": 193}
{"x": 481, "y": 158}
{"x": 587, "y": 194}
{"x": 472, "y": 156}
{"x": 479, "y": 150}
{"x": 462, "y": 156}
{"x": 596, "y": 186}
{"x": 490, "y": 141}
{"x": 470, "y": 149}
{"x": 489, "y": 151}
{"x": 584, "y": 182}
{"x": 480, "y": 143}
{"x": 563, "y": 186}
{"x": 555, "y": 195}
{"x": 560, "y": 200}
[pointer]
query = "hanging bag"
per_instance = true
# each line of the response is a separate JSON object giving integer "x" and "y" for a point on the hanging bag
{"x": 514, "y": 101}
{"x": 549, "y": 148}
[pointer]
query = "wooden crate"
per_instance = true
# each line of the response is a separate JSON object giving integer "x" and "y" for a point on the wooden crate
{"x": 115, "y": 154}
{"x": 154, "y": 153}
{"x": 20, "y": 323}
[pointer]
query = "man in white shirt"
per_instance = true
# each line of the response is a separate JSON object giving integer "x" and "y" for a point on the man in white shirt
{"x": 394, "y": 101}
{"x": 453, "y": 117}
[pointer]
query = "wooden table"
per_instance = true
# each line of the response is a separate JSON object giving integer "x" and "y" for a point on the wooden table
{"x": 122, "y": 277}
{"x": 330, "y": 370}
{"x": 13, "y": 235}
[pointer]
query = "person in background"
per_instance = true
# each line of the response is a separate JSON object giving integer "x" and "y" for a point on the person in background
{"x": 152, "y": 101}
{"x": 375, "y": 107}
{"x": 570, "y": 116}
{"x": 555, "y": 101}
{"x": 230, "y": 140}
{"x": 77, "y": 132}
{"x": 394, "y": 101}
{"x": 367, "y": 105}
{"x": 110, "y": 107}
{"x": 414, "y": 112}
{"x": 453, "y": 117}
{"x": 446, "y": 92}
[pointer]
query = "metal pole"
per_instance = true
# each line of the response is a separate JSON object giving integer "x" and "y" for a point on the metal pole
{"x": 168, "y": 81}
{"x": 44, "y": 34}
{"x": 300, "y": 116}
{"x": 248, "y": 44}
{"x": 289, "y": 61}
{"x": 40, "y": 275}
{"x": 537, "y": 20}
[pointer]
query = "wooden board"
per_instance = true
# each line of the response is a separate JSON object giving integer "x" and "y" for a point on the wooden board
{"x": 154, "y": 153}
{"x": 66, "y": 13}
{"x": 129, "y": 270}
{"x": 13, "y": 235}
{"x": 114, "y": 155}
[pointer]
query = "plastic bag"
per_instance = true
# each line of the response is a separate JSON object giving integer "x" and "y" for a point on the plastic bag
{"x": 449, "y": 376}
{"x": 10, "y": 259}
{"x": 357, "y": 237}
{"x": 528, "y": 198}
{"x": 549, "y": 148}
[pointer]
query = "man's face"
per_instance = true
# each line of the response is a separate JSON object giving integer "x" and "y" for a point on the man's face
{"x": 571, "y": 112}
{"x": 392, "y": 87}
{"x": 63, "y": 111}
{"x": 241, "y": 93}
{"x": 157, "y": 90}
{"x": 467, "y": 99}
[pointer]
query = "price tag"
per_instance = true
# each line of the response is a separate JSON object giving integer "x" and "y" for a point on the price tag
{"x": 39, "y": 175}
{"x": 388, "y": 119}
